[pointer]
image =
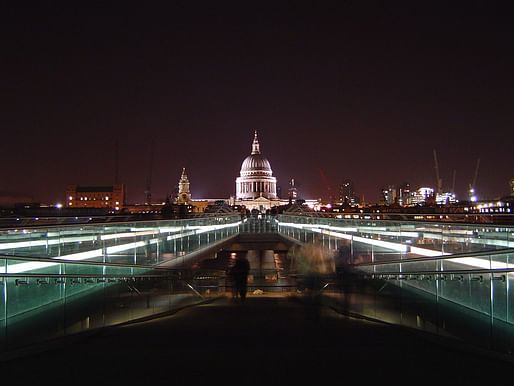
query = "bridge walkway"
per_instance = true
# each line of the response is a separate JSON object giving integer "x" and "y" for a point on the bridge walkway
{"x": 272, "y": 339}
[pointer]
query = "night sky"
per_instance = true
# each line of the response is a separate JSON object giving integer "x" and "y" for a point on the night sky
{"x": 345, "y": 90}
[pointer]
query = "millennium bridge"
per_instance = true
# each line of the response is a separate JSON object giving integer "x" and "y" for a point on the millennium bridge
{"x": 395, "y": 302}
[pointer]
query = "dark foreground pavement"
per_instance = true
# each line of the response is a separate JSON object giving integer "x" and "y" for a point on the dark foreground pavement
{"x": 267, "y": 341}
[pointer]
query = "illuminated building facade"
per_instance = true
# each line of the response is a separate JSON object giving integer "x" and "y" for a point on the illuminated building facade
{"x": 388, "y": 196}
{"x": 422, "y": 195}
{"x": 184, "y": 193}
{"x": 404, "y": 194}
{"x": 292, "y": 191}
{"x": 256, "y": 188}
{"x": 111, "y": 197}
{"x": 444, "y": 198}
{"x": 347, "y": 195}
{"x": 501, "y": 206}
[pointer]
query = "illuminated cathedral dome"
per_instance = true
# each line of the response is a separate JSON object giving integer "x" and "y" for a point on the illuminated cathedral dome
{"x": 256, "y": 177}
{"x": 255, "y": 163}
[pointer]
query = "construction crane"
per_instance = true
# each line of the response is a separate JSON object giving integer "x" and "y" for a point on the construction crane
{"x": 439, "y": 182}
{"x": 148, "y": 191}
{"x": 453, "y": 181}
{"x": 116, "y": 163}
{"x": 472, "y": 186}
{"x": 327, "y": 185}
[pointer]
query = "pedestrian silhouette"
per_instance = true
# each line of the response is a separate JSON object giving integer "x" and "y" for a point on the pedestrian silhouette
{"x": 240, "y": 276}
{"x": 231, "y": 282}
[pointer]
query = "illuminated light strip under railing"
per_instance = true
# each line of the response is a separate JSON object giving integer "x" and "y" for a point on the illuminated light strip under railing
{"x": 427, "y": 252}
{"x": 170, "y": 229}
{"x": 125, "y": 247}
{"x": 208, "y": 228}
{"x": 339, "y": 235}
{"x": 344, "y": 229}
{"x": 143, "y": 229}
{"x": 33, "y": 265}
{"x": 488, "y": 230}
{"x": 446, "y": 237}
{"x": 474, "y": 262}
{"x": 384, "y": 244}
{"x": 180, "y": 235}
{"x": 392, "y": 245}
{"x": 39, "y": 243}
{"x": 63, "y": 240}
{"x": 74, "y": 239}
{"x": 127, "y": 234}
{"x": 374, "y": 229}
{"x": 24, "y": 244}
{"x": 470, "y": 261}
{"x": 30, "y": 266}
{"x": 500, "y": 243}
{"x": 435, "y": 232}
{"x": 25, "y": 267}
{"x": 201, "y": 229}
{"x": 379, "y": 243}
{"x": 308, "y": 226}
{"x": 482, "y": 263}
{"x": 440, "y": 234}
{"x": 392, "y": 233}
{"x": 63, "y": 234}
{"x": 216, "y": 226}
{"x": 435, "y": 236}
{"x": 293, "y": 225}
{"x": 371, "y": 230}
{"x": 462, "y": 232}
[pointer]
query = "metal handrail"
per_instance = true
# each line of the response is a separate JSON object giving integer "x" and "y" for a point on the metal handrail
{"x": 194, "y": 290}
{"x": 80, "y": 275}
{"x": 445, "y": 272}
{"x": 96, "y": 224}
{"x": 453, "y": 218}
{"x": 437, "y": 258}
{"x": 56, "y": 260}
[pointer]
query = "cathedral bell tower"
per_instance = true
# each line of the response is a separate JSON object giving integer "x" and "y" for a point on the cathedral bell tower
{"x": 184, "y": 194}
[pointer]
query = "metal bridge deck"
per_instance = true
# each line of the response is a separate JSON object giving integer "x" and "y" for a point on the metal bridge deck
{"x": 273, "y": 339}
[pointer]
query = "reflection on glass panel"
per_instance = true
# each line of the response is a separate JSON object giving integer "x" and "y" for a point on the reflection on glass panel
{"x": 34, "y": 309}
{"x": 90, "y": 296}
{"x": 136, "y": 242}
{"x": 3, "y": 305}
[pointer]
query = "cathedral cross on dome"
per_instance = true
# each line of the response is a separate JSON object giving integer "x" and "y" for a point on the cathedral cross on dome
{"x": 255, "y": 145}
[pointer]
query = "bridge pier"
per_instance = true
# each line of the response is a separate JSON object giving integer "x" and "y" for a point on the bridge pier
{"x": 262, "y": 263}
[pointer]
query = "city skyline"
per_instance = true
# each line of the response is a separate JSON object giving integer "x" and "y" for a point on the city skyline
{"x": 359, "y": 91}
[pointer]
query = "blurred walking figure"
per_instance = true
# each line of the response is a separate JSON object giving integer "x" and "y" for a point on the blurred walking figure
{"x": 231, "y": 282}
{"x": 239, "y": 273}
